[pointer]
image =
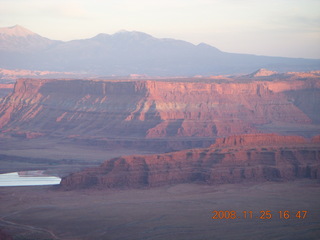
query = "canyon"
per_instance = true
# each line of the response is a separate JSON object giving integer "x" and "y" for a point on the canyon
{"x": 255, "y": 158}
{"x": 151, "y": 157}
{"x": 153, "y": 136}
{"x": 162, "y": 113}
{"x": 153, "y": 116}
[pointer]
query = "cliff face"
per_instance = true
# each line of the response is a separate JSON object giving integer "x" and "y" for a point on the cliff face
{"x": 230, "y": 160}
{"x": 76, "y": 107}
{"x": 5, "y": 89}
{"x": 152, "y": 109}
{"x": 259, "y": 140}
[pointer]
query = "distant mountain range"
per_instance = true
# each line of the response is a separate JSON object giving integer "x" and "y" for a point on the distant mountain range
{"x": 125, "y": 53}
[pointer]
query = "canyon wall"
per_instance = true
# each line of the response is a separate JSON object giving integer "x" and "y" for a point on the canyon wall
{"x": 231, "y": 160}
{"x": 5, "y": 89}
{"x": 154, "y": 109}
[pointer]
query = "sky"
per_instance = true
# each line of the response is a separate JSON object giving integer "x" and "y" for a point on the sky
{"x": 289, "y": 28}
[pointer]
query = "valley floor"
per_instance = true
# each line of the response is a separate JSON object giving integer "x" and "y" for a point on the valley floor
{"x": 173, "y": 212}
{"x": 59, "y": 158}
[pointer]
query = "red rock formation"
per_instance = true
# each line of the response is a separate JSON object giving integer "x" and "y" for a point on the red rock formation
{"x": 262, "y": 73}
{"x": 231, "y": 160}
{"x": 6, "y": 85}
{"x": 265, "y": 140}
{"x": 11, "y": 75}
{"x": 5, "y": 89}
{"x": 316, "y": 139}
{"x": 150, "y": 109}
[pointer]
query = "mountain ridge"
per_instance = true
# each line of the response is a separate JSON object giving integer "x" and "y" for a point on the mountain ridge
{"x": 124, "y": 53}
{"x": 16, "y": 30}
{"x": 17, "y": 41}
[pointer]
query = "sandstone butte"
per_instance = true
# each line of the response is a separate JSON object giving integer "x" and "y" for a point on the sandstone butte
{"x": 255, "y": 157}
{"x": 159, "y": 109}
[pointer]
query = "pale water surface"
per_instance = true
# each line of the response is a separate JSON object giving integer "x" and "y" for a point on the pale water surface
{"x": 27, "y": 178}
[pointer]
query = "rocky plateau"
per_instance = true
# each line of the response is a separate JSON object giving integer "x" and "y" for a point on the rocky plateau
{"x": 258, "y": 157}
{"x": 121, "y": 114}
{"x": 186, "y": 113}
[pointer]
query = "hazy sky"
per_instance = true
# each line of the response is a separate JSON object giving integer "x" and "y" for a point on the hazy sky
{"x": 264, "y": 27}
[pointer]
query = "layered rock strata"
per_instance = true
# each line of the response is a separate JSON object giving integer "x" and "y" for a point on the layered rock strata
{"x": 262, "y": 157}
{"x": 5, "y": 89}
{"x": 153, "y": 109}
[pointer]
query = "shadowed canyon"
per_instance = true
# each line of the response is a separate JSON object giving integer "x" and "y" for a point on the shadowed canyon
{"x": 165, "y": 115}
{"x": 152, "y": 158}
{"x": 151, "y": 140}
{"x": 138, "y": 112}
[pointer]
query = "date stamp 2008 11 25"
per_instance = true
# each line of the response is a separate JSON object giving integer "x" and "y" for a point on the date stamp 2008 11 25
{"x": 264, "y": 214}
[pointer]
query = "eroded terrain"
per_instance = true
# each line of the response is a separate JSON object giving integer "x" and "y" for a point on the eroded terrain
{"x": 152, "y": 158}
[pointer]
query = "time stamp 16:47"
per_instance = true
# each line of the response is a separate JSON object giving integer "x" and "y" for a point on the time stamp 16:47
{"x": 264, "y": 214}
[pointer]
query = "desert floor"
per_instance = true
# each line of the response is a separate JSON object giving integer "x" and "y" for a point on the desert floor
{"x": 173, "y": 212}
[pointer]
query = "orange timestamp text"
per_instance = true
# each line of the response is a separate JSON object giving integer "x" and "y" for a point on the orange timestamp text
{"x": 264, "y": 214}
